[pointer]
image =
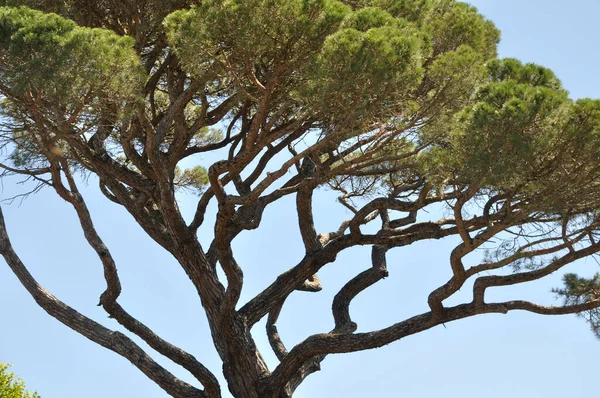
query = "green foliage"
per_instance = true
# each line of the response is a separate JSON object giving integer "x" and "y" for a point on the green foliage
{"x": 350, "y": 65}
{"x": 393, "y": 61}
{"x": 45, "y": 55}
{"x": 194, "y": 179}
{"x": 451, "y": 80}
{"x": 402, "y": 101}
{"x": 11, "y": 386}
{"x": 330, "y": 59}
{"x": 78, "y": 75}
{"x": 452, "y": 24}
{"x": 501, "y": 138}
{"x": 370, "y": 17}
{"x": 519, "y": 127}
{"x": 493, "y": 131}
{"x": 580, "y": 290}
{"x": 412, "y": 10}
{"x": 513, "y": 70}
{"x": 382, "y": 63}
{"x": 224, "y": 37}
{"x": 143, "y": 24}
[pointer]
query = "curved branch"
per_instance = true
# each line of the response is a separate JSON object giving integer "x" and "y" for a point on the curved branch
{"x": 114, "y": 341}
{"x": 290, "y": 280}
{"x": 335, "y": 343}
{"x": 362, "y": 281}
{"x": 341, "y": 311}
{"x": 459, "y": 274}
{"x": 273, "y": 334}
{"x": 113, "y": 290}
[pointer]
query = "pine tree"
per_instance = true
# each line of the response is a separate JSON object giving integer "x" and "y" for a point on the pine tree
{"x": 400, "y": 106}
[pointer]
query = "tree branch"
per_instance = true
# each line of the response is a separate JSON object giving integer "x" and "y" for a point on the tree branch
{"x": 97, "y": 333}
{"x": 108, "y": 299}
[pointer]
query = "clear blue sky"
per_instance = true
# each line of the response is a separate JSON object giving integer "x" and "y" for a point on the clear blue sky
{"x": 517, "y": 355}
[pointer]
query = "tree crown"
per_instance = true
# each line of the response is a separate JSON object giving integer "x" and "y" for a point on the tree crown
{"x": 398, "y": 106}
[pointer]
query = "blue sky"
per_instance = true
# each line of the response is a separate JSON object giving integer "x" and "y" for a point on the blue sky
{"x": 519, "y": 355}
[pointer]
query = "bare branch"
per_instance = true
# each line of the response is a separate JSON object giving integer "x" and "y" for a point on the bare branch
{"x": 108, "y": 299}
{"x": 107, "y": 338}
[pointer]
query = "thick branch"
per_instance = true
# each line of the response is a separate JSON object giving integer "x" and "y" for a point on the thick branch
{"x": 362, "y": 281}
{"x": 331, "y": 343}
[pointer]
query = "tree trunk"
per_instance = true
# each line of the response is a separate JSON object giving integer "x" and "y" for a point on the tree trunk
{"x": 243, "y": 366}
